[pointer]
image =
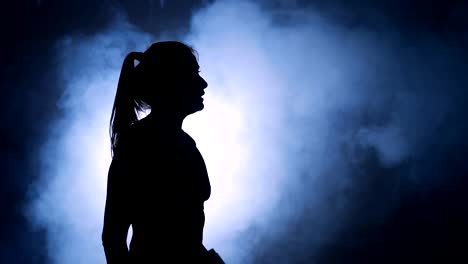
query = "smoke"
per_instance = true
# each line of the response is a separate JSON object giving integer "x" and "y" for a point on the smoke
{"x": 307, "y": 126}
{"x": 76, "y": 157}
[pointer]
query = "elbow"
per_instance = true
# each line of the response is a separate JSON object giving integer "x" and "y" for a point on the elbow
{"x": 115, "y": 248}
{"x": 110, "y": 238}
{"x": 114, "y": 232}
{"x": 106, "y": 236}
{"x": 105, "y": 239}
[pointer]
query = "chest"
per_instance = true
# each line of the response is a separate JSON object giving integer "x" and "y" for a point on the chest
{"x": 172, "y": 169}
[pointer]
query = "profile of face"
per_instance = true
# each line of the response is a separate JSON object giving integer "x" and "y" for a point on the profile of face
{"x": 188, "y": 86}
{"x": 173, "y": 81}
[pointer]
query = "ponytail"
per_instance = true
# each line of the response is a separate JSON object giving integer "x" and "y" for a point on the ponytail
{"x": 126, "y": 103}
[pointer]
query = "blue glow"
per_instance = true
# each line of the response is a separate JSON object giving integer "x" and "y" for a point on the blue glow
{"x": 283, "y": 112}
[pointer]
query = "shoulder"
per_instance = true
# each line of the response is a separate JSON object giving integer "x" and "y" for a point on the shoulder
{"x": 188, "y": 138}
{"x": 128, "y": 141}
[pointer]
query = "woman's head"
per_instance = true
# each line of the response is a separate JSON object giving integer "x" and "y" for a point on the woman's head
{"x": 166, "y": 80}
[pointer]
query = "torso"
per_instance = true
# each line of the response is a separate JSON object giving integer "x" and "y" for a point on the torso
{"x": 169, "y": 187}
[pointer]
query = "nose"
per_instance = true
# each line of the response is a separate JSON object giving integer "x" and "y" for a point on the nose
{"x": 203, "y": 83}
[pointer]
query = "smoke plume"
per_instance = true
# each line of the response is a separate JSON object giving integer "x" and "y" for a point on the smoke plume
{"x": 311, "y": 130}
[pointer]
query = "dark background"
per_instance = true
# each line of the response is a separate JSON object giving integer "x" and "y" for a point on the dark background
{"x": 430, "y": 224}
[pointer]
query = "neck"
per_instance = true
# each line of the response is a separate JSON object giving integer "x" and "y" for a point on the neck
{"x": 172, "y": 121}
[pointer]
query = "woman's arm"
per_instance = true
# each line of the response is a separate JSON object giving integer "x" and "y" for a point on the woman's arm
{"x": 116, "y": 215}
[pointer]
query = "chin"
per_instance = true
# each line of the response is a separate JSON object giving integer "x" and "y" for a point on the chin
{"x": 196, "y": 108}
{"x": 199, "y": 107}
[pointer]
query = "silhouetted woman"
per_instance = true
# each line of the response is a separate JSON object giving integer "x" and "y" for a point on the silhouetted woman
{"x": 157, "y": 180}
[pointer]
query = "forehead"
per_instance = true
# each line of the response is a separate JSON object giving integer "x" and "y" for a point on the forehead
{"x": 189, "y": 60}
{"x": 171, "y": 63}
{"x": 181, "y": 60}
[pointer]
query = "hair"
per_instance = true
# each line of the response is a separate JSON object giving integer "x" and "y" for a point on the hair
{"x": 132, "y": 95}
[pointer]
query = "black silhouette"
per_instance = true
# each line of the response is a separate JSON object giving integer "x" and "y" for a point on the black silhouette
{"x": 157, "y": 181}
